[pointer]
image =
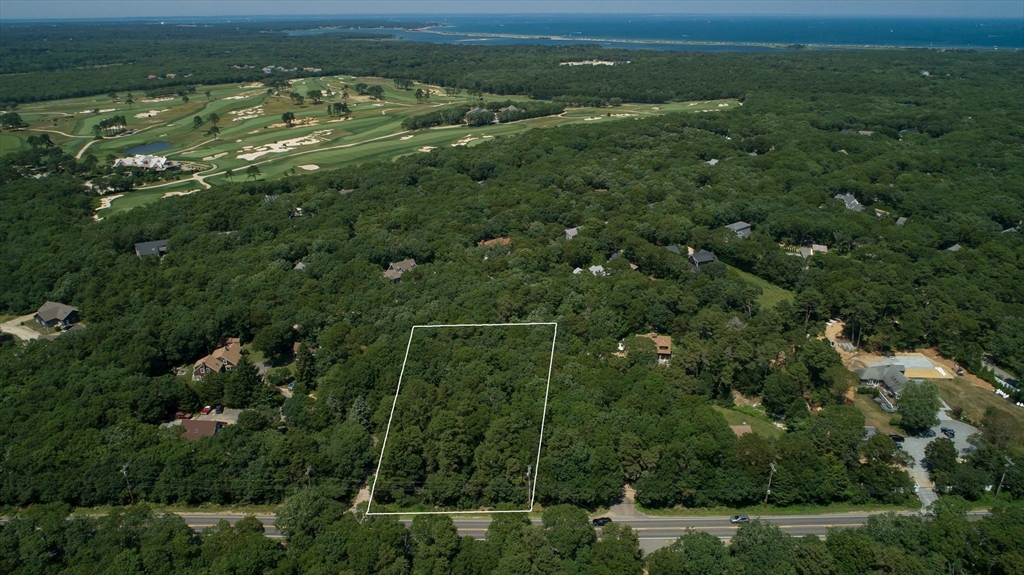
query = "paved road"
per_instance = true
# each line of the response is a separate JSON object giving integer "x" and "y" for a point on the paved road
{"x": 654, "y": 532}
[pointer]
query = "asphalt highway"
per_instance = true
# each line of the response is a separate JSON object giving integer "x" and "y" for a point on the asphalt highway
{"x": 654, "y": 532}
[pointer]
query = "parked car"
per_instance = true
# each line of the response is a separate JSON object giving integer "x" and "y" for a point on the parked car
{"x": 601, "y": 521}
{"x": 896, "y": 438}
{"x": 219, "y": 409}
{"x": 182, "y": 415}
{"x": 947, "y": 432}
{"x": 736, "y": 519}
{"x": 206, "y": 410}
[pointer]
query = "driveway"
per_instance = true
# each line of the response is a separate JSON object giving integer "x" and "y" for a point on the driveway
{"x": 915, "y": 446}
{"x": 15, "y": 328}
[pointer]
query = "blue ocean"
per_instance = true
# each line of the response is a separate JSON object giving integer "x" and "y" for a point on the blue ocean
{"x": 716, "y": 33}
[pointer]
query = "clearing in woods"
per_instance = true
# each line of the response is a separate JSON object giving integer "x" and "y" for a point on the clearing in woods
{"x": 466, "y": 425}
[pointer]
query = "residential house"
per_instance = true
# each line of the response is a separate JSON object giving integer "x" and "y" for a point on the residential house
{"x": 819, "y": 249}
{"x": 154, "y": 248}
{"x": 396, "y": 269}
{"x": 805, "y": 252}
{"x": 889, "y": 377}
{"x": 703, "y": 257}
{"x": 954, "y": 248}
{"x": 571, "y": 233}
{"x": 850, "y": 201}
{"x": 598, "y": 271}
{"x": 300, "y": 266}
{"x": 222, "y": 359}
{"x": 198, "y": 429}
{"x": 741, "y": 229}
{"x": 712, "y": 161}
{"x": 662, "y": 346}
{"x": 674, "y": 249}
{"x": 52, "y": 313}
{"x": 900, "y": 221}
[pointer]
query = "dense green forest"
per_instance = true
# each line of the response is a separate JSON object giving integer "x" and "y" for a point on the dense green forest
{"x": 464, "y": 432}
{"x": 78, "y": 409}
{"x": 323, "y": 538}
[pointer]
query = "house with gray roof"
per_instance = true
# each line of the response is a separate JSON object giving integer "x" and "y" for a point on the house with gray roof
{"x": 155, "y": 248}
{"x": 54, "y": 313}
{"x": 674, "y": 249}
{"x": 851, "y": 202}
{"x": 741, "y": 229}
{"x": 901, "y": 220}
{"x": 703, "y": 257}
{"x": 889, "y": 377}
{"x": 954, "y": 248}
{"x": 571, "y": 233}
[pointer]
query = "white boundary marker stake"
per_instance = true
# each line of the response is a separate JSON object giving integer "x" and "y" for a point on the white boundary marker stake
{"x": 540, "y": 443}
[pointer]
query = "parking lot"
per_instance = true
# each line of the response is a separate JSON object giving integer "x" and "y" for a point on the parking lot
{"x": 915, "y": 446}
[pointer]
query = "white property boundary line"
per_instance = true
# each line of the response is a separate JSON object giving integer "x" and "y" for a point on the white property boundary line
{"x": 540, "y": 443}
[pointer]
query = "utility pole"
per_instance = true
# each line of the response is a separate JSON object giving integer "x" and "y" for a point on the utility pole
{"x": 124, "y": 471}
{"x": 1006, "y": 468}
{"x": 769, "y": 492}
{"x": 308, "y": 469}
{"x": 529, "y": 472}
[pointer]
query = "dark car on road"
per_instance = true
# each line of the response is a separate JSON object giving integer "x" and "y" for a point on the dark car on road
{"x": 948, "y": 432}
{"x": 926, "y": 434}
{"x": 896, "y": 438}
{"x": 735, "y": 519}
{"x": 601, "y": 521}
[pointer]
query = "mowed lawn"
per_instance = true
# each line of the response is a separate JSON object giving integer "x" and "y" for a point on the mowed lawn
{"x": 758, "y": 426}
{"x": 974, "y": 400}
{"x": 874, "y": 416}
{"x": 771, "y": 294}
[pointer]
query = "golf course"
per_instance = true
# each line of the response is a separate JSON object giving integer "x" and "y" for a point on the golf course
{"x": 249, "y": 129}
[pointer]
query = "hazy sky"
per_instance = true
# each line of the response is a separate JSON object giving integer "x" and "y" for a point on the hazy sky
{"x": 47, "y": 9}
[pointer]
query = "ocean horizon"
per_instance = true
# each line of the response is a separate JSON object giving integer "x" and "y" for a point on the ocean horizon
{"x": 662, "y": 31}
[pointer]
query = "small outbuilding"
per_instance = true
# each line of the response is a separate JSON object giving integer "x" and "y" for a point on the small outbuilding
{"x": 571, "y": 233}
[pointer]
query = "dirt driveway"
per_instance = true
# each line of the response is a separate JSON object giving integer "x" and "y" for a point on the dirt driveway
{"x": 19, "y": 331}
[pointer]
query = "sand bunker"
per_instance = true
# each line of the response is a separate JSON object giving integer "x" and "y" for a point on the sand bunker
{"x": 150, "y": 100}
{"x": 723, "y": 105}
{"x": 170, "y": 194}
{"x": 427, "y": 148}
{"x": 592, "y": 118}
{"x": 405, "y": 138}
{"x": 285, "y": 145}
{"x": 106, "y": 200}
{"x": 215, "y": 156}
{"x": 464, "y": 141}
{"x": 310, "y": 167}
{"x": 247, "y": 113}
{"x": 105, "y": 110}
{"x": 149, "y": 114}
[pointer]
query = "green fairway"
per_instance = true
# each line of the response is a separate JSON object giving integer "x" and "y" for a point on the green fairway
{"x": 771, "y": 294}
{"x": 252, "y": 132}
{"x": 11, "y": 143}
